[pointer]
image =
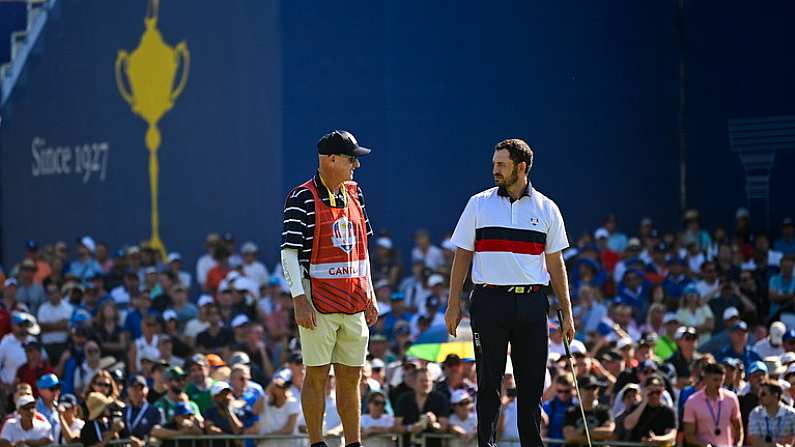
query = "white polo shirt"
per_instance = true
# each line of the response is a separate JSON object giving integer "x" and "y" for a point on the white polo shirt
{"x": 510, "y": 238}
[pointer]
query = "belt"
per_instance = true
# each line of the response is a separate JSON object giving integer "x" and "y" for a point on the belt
{"x": 518, "y": 289}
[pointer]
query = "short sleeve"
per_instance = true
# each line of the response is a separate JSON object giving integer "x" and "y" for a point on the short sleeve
{"x": 6, "y": 433}
{"x": 690, "y": 413}
{"x": 294, "y": 408}
{"x": 735, "y": 407}
{"x": 556, "y": 231}
{"x": 464, "y": 234}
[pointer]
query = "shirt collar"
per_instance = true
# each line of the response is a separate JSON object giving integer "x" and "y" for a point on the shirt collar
{"x": 528, "y": 190}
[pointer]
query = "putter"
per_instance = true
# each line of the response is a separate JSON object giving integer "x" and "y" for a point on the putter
{"x": 574, "y": 374}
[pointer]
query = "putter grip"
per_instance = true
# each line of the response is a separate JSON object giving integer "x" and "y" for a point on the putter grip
{"x": 563, "y": 334}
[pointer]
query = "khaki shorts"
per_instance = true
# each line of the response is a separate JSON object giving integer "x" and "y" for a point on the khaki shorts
{"x": 337, "y": 338}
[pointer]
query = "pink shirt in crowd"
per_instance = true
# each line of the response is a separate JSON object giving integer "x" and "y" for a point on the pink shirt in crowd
{"x": 697, "y": 411}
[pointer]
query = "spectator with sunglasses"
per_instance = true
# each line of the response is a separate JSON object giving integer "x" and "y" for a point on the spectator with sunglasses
{"x": 772, "y": 422}
{"x": 684, "y": 356}
{"x": 651, "y": 421}
{"x": 557, "y": 408}
{"x": 377, "y": 422}
{"x": 600, "y": 421}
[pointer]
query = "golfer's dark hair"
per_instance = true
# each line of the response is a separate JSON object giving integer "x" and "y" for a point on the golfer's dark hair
{"x": 713, "y": 368}
{"x": 519, "y": 151}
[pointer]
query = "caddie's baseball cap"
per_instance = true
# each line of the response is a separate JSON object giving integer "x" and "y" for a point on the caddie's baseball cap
{"x": 340, "y": 142}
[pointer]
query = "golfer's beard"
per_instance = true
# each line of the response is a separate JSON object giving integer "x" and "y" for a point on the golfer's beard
{"x": 510, "y": 181}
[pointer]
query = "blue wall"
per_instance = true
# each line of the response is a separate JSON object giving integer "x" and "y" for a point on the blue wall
{"x": 430, "y": 86}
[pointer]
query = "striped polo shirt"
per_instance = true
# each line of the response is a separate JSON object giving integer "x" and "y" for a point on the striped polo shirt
{"x": 510, "y": 237}
{"x": 298, "y": 226}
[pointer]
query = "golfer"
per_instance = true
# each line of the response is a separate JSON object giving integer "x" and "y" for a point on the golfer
{"x": 325, "y": 262}
{"x": 515, "y": 236}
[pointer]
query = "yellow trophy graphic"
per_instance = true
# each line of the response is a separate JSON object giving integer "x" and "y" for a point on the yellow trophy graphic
{"x": 150, "y": 71}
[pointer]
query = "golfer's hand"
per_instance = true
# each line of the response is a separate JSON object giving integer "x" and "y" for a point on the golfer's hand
{"x": 568, "y": 328}
{"x": 304, "y": 313}
{"x": 371, "y": 313}
{"x": 452, "y": 317}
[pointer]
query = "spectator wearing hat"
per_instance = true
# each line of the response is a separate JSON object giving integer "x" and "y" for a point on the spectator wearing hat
{"x": 772, "y": 422}
{"x": 629, "y": 397}
{"x": 215, "y": 339}
{"x": 772, "y": 345}
{"x": 738, "y": 346}
{"x": 185, "y": 422}
{"x": 657, "y": 267}
{"x": 693, "y": 233}
{"x": 70, "y": 419}
{"x": 385, "y": 262}
{"x": 712, "y": 415}
{"x": 53, "y": 317}
{"x": 174, "y": 265}
{"x": 25, "y": 428}
{"x": 376, "y": 422}
{"x": 652, "y": 420}
{"x": 155, "y": 373}
{"x": 695, "y": 313}
{"x": 12, "y": 352}
{"x": 463, "y": 422}
{"x": 789, "y": 377}
{"x": 600, "y": 421}
{"x": 140, "y": 417}
{"x": 684, "y": 356}
{"x": 43, "y": 269}
{"x": 35, "y": 367}
{"x": 781, "y": 287}
{"x": 734, "y": 375}
{"x": 786, "y": 242}
{"x": 175, "y": 377}
{"x": 756, "y": 375}
{"x": 557, "y": 408}
{"x": 252, "y": 268}
{"x": 398, "y": 312}
{"x": 433, "y": 315}
{"x": 85, "y": 266}
{"x": 201, "y": 323}
{"x": 99, "y": 428}
{"x": 49, "y": 390}
{"x": 728, "y": 297}
{"x": 454, "y": 380}
{"x": 666, "y": 342}
{"x": 29, "y": 292}
{"x": 631, "y": 253}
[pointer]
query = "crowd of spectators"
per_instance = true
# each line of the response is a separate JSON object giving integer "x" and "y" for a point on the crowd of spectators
{"x": 682, "y": 335}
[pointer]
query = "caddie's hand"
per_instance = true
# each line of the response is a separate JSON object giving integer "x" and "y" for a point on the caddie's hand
{"x": 568, "y": 328}
{"x": 371, "y": 313}
{"x": 452, "y": 317}
{"x": 304, "y": 313}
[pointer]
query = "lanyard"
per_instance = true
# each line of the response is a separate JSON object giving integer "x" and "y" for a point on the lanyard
{"x": 99, "y": 432}
{"x": 778, "y": 426}
{"x": 332, "y": 198}
{"x": 716, "y": 420}
{"x": 133, "y": 424}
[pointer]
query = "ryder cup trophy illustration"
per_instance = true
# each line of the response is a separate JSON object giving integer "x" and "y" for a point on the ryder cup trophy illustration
{"x": 150, "y": 72}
